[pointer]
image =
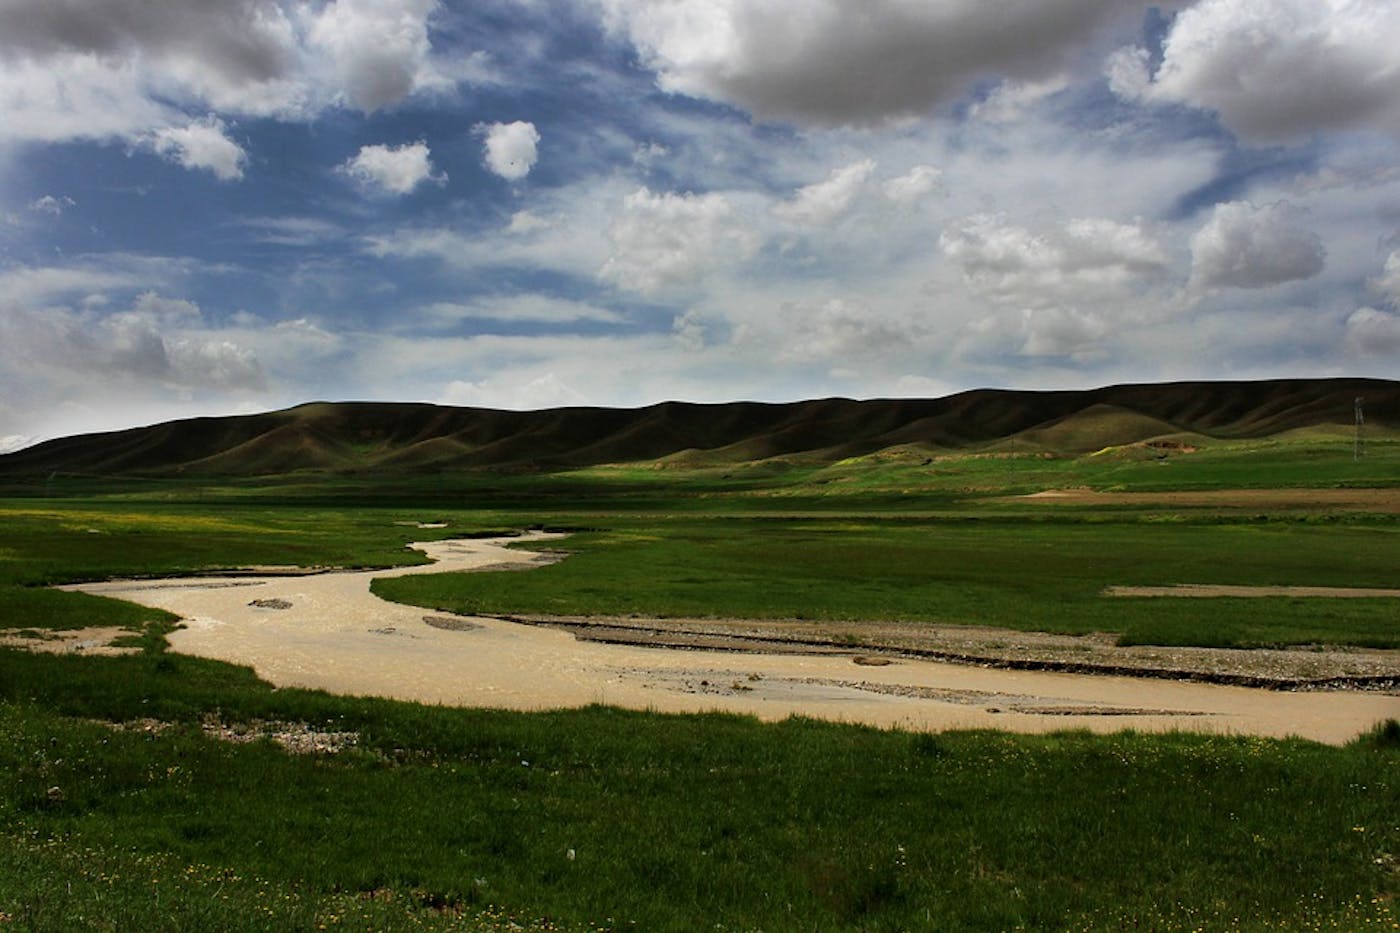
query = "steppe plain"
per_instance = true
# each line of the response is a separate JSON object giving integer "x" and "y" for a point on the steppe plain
{"x": 794, "y": 687}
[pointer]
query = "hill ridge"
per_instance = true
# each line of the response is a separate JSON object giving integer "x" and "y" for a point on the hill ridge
{"x": 418, "y": 436}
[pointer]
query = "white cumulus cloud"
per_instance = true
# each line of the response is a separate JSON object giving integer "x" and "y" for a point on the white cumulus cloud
{"x": 919, "y": 181}
{"x": 530, "y": 394}
{"x": 377, "y": 51}
{"x": 511, "y": 149}
{"x": 1371, "y": 332}
{"x": 128, "y": 69}
{"x": 825, "y": 202}
{"x": 75, "y": 97}
{"x": 838, "y": 332}
{"x": 1388, "y": 282}
{"x": 202, "y": 144}
{"x": 1244, "y": 245}
{"x": 1082, "y": 260}
{"x": 49, "y": 204}
{"x": 665, "y": 240}
{"x": 394, "y": 169}
{"x": 1277, "y": 69}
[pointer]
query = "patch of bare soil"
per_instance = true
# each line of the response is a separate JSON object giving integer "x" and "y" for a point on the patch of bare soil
{"x": 452, "y": 623}
{"x": 299, "y": 738}
{"x": 1384, "y": 501}
{"x": 96, "y": 641}
{"x": 996, "y": 702}
{"x": 1307, "y": 668}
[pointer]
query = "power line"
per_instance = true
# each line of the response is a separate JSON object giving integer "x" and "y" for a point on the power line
{"x": 1358, "y": 448}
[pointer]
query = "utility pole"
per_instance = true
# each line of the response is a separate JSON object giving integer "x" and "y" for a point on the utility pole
{"x": 1358, "y": 449}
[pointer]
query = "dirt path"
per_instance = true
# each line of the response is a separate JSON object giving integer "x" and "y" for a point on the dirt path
{"x": 328, "y": 631}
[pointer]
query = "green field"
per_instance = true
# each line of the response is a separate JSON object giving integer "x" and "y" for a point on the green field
{"x": 1043, "y": 575}
{"x": 459, "y": 819}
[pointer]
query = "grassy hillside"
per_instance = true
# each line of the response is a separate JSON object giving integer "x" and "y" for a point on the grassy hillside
{"x": 408, "y": 438}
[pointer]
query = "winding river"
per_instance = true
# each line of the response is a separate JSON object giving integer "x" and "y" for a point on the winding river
{"x": 328, "y": 631}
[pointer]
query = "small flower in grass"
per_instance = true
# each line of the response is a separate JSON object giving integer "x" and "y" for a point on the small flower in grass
{"x": 570, "y": 855}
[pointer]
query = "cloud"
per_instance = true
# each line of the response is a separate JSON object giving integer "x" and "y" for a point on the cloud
{"x": 511, "y": 148}
{"x": 134, "y": 68}
{"x": 150, "y": 305}
{"x": 156, "y": 344}
{"x": 545, "y": 391}
{"x": 394, "y": 169}
{"x": 854, "y": 192}
{"x": 76, "y": 97}
{"x": 525, "y": 223}
{"x": 1277, "y": 70}
{"x": 666, "y": 240}
{"x": 73, "y": 71}
{"x": 1062, "y": 332}
{"x": 825, "y": 202}
{"x": 1249, "y": 246}
{"x": 534, "y": 308}
{"x": 377, "y": 51}
{"x": 215, "y": 47}
{"x": 1011, "y": 99}
{"x": 1081, "y": 260}
{"x": 54, "y": 206}
{"x": 37, "y": 286}
{"x": 837, "y": 332}
{"x": 1370, "y": 332}
{"x": 202, "y": 144}
{"x": 290, "y": 231}
{"x": 918, "y": 182}
{"x": 9, "y": 443}
{"x": 1387, "y": 283}
{"x": 829, "y": 62}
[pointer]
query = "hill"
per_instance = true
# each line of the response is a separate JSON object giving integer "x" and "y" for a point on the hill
{"x": 396, "y": 437}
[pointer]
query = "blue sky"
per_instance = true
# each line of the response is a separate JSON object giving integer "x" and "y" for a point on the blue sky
{"x": 219, "y": 206}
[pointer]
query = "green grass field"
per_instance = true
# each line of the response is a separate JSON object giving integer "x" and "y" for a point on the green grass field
{"x": 1043, "y": 575}
{"x": 605, "y": 819}
{"x": 461, "y": 819}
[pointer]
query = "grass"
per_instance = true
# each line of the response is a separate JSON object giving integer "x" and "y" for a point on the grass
{"x": 450, "y": 818}
{"x": 466, "y": 819}
{"x": 1044, "y": 575}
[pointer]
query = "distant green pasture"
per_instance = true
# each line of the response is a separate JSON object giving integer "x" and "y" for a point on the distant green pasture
{"x": 908, "y": 479}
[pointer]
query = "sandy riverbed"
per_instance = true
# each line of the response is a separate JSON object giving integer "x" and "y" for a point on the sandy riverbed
{"x": 328, "y": 631}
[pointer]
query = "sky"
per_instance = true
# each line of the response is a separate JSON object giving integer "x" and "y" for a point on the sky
{"x": 212, "y": 207}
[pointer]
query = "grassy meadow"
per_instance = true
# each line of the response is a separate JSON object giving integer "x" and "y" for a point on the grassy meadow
{"x": 121, "y": 807}
{"x": 1041, "y": 575}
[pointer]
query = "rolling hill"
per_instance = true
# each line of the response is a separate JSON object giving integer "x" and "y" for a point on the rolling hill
{"x": 395, "y": 437}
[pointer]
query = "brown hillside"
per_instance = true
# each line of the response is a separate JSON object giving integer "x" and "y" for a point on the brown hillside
{"x": 357, "y": 436}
